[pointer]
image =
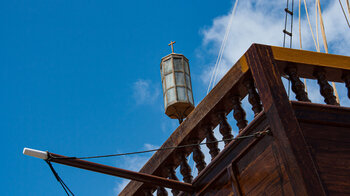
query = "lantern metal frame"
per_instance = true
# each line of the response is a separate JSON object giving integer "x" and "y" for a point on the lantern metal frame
{"x": 186, "y": 105}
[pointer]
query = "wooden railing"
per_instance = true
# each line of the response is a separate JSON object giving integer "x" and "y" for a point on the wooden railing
{"x": 256, "y": 75}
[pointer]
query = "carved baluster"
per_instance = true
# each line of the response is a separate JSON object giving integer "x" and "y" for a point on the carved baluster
{"x": 298, "y": 86}
{"x": 148, "y": 192}
{"x": 325, "y": 89}
{"x": 185, "y": 169}
{"x": 161, "y": 191}
{"x": 213, "y": 144}
{"x": 198, "y": 156}
{"x": 225, "y": 128}
{"x": 239, "y": 113}
{"x": 253, "y": 97}
{"x": 172, "y": 175}
{"x": 346, "y": 79}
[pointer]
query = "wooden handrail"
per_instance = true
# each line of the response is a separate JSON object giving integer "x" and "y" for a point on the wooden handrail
{"x": 217, "y": 100}
{"x": 234, "y": 85}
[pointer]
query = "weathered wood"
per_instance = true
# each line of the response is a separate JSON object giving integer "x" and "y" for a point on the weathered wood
{"x": 172, "y": 175}
{"x": 296, "y": 161}
{"x": 299, "y": 165}
{"x": 326, "y": 90}
{"x": 234, "y": 181}
{"x": 253, "y": 96}
{"x": 303, "y": 58}
{"x": 230, "y": 153}
{"x": 346, "y": 79}
{"x": 218, "y": 98}
{"x": 185, "y": 169}
{"x": 225, "y": 128}
{"x": 298, "y": 86}
{"x": 118, "y": 172}
{"x": 329, "y": 143}
{"x": 212, "y": 143}
{"x": 239, "y": 113}
{"x": 161, "y": 191}
{"x": 148, "y": 192}
{"x": 198, "y": 156}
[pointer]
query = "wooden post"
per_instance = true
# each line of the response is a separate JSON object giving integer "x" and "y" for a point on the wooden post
{"x": 296, "y": 157}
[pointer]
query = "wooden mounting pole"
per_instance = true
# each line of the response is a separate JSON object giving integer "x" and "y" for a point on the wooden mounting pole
{"x": 113, "y": 171}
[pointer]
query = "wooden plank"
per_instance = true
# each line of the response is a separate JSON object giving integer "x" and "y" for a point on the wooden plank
{"x": 321, "y": 113}
{"x": 330, "y": 146}
{"x": 113, "y": 171}
{"x": 310, "y": 58}
{"x": 217, "y": 99}
{"x": 264, "y": 174}
{"x": 297, "y": 159}
{"x": 230, "y": 153}
{"x": 234, "y": 181}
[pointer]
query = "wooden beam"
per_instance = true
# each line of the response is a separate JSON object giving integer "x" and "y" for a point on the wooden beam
{"x": 300, "y": 166}
{"x": 113, "y": 171}
{"x": 310, "y": 58}
{"x": 218, "y": 99}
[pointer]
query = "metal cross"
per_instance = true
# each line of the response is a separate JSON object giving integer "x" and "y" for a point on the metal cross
{"x": 172, "y": 46}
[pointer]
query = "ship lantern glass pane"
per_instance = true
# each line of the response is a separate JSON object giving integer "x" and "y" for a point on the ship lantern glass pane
{"x": 180, "y": 80}
{"x": 169, "y": 81}
{"x": 181, "y": 93}
{"x": 167, "y": 67}
{"x": 171, "y": 95}
{"x": 178, "y": 64}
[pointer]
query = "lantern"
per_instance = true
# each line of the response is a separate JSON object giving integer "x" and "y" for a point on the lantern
{"x": 177, "y": 88}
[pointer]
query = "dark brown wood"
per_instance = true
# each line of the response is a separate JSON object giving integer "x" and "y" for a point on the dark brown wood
{"x": 298, "y": 86}
{"x": 185, "y": 169}
{"x": 239, "y": 113}
{"x": 283, "y": 167}
{"x": 225, "y": 128}
{"x": 172, "y": 175}
{"x": 230, "y": 153}
{"x": 346, "y": 79}
{"x": 113, "y": 171}
{"x": 326, "y": 129}
{"x": 198, "y": 156}
{"x": 212, "y": 143}
{"x": 298, "y": 162}
{"x": 234, "y": 181}
{"x": 161, "y": 191}
{"x": 253, "y": 96}
{"x": 148, "y": 192}
{"x": 325, "y": 89}
{"x": 217, "y": 100}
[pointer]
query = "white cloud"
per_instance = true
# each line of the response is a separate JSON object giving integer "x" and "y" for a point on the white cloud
{"x": 145, "y": 92}
{"x": 133, "y": 163}
{"x": 260, "y": 21}
{"x": 150, "y": 146}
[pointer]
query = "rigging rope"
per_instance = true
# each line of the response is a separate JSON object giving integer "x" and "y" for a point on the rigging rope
{"x": 257, "y": 134}
{"x": 308, "y": 19}
{"x": 342, "y": 8}
{"x": 348, "y": 5}
{"x": 59, "y": 179}
{"x": 285, "y": 32}
{"x": 221, "y": 51}
{"x": 325, "y": 44}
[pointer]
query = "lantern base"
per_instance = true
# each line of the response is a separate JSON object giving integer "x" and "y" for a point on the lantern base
{"x": 179, "y": 110}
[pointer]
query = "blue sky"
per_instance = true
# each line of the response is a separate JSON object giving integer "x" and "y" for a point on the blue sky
{"x": 82, "y": 77}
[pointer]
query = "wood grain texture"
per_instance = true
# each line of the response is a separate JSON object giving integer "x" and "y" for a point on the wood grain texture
{"x": 264, "y": 175}
{"x": 298, "y": 162}
{"x": 310, "y": 58}
{"x": 219, "y": 99}
{"x": 329, "y": 142}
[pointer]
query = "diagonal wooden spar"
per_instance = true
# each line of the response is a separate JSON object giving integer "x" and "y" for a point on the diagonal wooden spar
{"x": 109, "y": 170}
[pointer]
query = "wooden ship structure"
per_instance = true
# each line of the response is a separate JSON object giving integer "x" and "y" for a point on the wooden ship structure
{"x": 299, "y": 148}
